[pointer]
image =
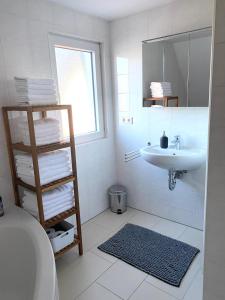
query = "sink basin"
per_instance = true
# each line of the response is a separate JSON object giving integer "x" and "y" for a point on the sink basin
{"x": 183, "y": 159}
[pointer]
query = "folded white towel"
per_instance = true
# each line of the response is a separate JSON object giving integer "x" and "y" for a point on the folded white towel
{"x": 37, "y": 102}
{"x": 161, "y": 89}
{"x": 27, "y": 92}
{"x": 42, "y": 81}
{"x": 32, "y": 203}
{"x": 45, "y": 130}
{"x": 29, "y": 86}
{"x": 44, "y": 180}
{"x": 43, "y": 141}
{"x": 61, "y": 191}
{"x": 51, "y": 157}
{"x": 43, "y": 166}
{"x": 160, "y": 95}
{"x": 51, "y": 166}
{"x": 36, "y": 98}
{"x": 44, "y": 172}
{"x": 51, "y": 214}
{"x": 41, "y": 132}
{"x": 50, "y": 198}
{"x": 160, "y": 84}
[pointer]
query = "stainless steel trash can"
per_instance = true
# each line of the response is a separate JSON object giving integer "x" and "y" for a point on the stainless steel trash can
{"x": 118, "y": 198}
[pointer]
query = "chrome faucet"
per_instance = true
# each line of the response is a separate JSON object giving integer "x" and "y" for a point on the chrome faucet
{"x": 176, "y": 142}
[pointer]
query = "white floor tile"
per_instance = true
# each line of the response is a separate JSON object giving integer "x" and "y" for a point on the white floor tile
{"x": 97, "y": 292}
{"x": 178, "y": 292}
{"x": 169, "y": 228}
{"x": 104, "y": 255}
{"x": 93, "y": 235}
{"x": 122, "y": 279}
{"x": 192, "y": 237}
{"x": 112, "y": 221}
{"x": 195, "y": 292}
{"x": 77, "y": 277}
{"x": 147, "y": 291}
{"x": 144, "y": 219}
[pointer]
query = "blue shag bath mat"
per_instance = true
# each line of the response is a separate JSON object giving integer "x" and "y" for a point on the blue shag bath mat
{"x": 160, "y": 256}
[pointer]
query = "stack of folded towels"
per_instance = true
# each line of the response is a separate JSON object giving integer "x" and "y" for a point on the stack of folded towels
{"x": 160, "y": 89}
{"x": 52, "y": 166}
{"x": 47, "y": 131}
{"x": 35, "y": 91}
{"x": 54, "y": 202}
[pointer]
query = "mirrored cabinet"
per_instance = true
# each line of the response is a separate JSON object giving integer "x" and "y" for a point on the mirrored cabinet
{"x": 183, "y": 60}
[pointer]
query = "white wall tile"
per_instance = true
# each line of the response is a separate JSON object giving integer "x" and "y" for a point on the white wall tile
{"x": 160, "y": 22}
{"x": 40, "y": 10}
{"x": 190, "y": 15}
{"x": 19, "y": 7}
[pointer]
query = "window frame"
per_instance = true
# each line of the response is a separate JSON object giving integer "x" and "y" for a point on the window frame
{"x": 68, "y": 42}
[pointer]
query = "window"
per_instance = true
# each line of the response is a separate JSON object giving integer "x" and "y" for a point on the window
{"x": 77, "y": 67}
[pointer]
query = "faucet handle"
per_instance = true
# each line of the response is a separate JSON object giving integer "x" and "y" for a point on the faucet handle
{"x": 177, "y": 137}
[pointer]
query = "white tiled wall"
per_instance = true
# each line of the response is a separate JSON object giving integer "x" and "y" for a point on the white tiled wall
{"x": 24, "y": 51}
{"x": 147, "y": 185}
{"x": 215, "y": 210}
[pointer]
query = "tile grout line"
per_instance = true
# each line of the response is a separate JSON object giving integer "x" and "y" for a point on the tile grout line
{"x": 109, "y": 290}
{"x": 95, "y": 279}
{"x": 198, "y": 272}
{"x": 166, "y": 219}
{"x": 137, "y": 288}
{"x": 161, "y": 290}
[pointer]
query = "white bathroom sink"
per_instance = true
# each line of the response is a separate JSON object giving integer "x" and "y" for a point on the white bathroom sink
{"x": 184, "y": 159}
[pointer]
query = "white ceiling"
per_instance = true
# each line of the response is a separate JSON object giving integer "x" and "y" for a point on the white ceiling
{"x": 112, "y": 9}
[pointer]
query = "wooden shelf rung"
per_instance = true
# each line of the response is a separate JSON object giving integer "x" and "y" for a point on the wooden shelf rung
{"x": 67, "y": 248}
{"x": 36, "y": 108}
{"x": 42, "y": 149}
{"x": 54, "y": 184}
{"x": 25, "y": 185}
{"x": 49, "y": 107}
{"x": 46, "y": 187}
{"x": 60, "y": 217}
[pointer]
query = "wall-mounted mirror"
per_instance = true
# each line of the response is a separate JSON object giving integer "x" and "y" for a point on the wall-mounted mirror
{"x": 182, "y": 60}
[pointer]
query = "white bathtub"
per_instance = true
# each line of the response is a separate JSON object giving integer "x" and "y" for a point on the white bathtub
{"x": 27, "y": 265}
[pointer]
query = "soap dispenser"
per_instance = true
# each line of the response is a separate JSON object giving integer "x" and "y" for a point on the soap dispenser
{"x": 164, "y": 141}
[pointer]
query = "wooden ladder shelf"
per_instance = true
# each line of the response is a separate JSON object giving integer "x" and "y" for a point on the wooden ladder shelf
{"x": 35, "y": 150}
